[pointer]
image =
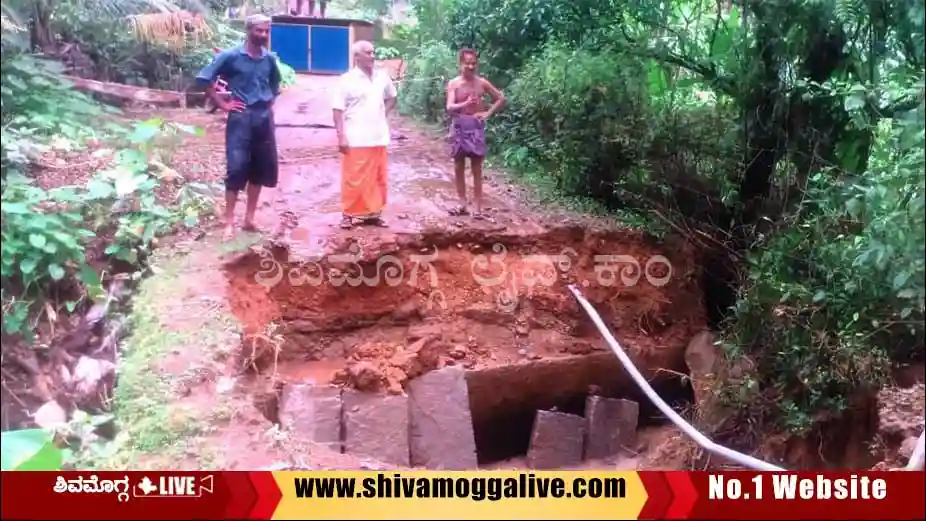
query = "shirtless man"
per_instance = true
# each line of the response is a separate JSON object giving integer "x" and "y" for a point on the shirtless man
{"x": 465, "y": 95}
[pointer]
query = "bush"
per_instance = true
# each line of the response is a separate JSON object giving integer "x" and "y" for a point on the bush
{"x": 424, "y": 92}
{"x": 837, "y": 292}
{"x": 577, "y": 116}
{"x": 287, "y": 75}
{"x": 603, "y": 124}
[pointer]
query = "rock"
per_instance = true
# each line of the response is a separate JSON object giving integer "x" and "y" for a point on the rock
{"x": 487, "y": 314}
{"x": 65, "y": 373}
{"x": 312, "y": 413}
{"x": 395, "y": 379}
{"x": 610, "y": 426}
{"x": 366, "y": 376}
{"x": 50, "y": 415}
{"x": 441, "y": 424}
{"x": 702, "y": 360}
{"x": 408, "y": 362}
{"x": 417, "y": 358}
{"x": 376, "y": 427}
{"x": 425, "y": 329}
{"x": 93, "y": 382}
{"x": 225, "y": 385}
{"x": 114, "y": 332}
{"x": 556, "y": 440}
{"x": 97, "y": 313}
{"x": 908, "y": 446}
{"x": 406, "y": 312}
{"x": 701, "y": 356}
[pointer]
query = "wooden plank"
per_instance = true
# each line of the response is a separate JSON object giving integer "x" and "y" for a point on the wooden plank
{"x": 128, "y": 92}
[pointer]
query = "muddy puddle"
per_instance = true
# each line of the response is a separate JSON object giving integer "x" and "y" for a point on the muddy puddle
{"x": 373, "y": 317}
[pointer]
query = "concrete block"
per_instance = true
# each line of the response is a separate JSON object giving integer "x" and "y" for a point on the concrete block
{"x": 441, "y": 425}
{"x": 313, "y": 413}
{"x": 376, "y": 426}
{"x": 611, "y": 426}
{"x": 556, "y": 440}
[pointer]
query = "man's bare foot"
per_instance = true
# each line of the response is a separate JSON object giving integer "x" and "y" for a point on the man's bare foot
{"x": 251, "y": 228}
{"x": 229, "y": 233}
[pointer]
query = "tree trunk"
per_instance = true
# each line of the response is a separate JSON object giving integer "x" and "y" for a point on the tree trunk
{"x": 42, "y": 35}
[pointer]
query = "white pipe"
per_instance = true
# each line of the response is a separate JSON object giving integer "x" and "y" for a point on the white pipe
{"x": 680, "y": 422}
{"x": 916, "y": 459}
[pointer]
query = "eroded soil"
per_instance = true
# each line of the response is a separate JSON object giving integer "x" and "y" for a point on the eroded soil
{"x": 373, "y": 318}
{"x": 485, "y": 294}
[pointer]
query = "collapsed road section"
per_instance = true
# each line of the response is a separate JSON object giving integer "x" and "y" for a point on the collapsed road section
{"x": 468, "y": 345}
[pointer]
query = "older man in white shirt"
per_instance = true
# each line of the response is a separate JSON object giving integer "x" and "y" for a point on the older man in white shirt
{"x": 361, "y": 102}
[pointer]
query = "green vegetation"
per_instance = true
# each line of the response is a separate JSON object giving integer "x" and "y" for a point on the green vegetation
{"x": 785, "y": 136}
{"x": 287, "y": 73}
{"x": 29, "y": 449}
{"x": 84, "y": 204}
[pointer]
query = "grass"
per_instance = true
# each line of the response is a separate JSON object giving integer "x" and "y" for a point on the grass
{"x": 177, "y": 335}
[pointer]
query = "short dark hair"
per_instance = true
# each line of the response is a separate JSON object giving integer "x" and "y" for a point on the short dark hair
{"x": 467, "y": 51}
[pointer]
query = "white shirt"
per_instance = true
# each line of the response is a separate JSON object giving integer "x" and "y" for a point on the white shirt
{"x": 362, "y": 99}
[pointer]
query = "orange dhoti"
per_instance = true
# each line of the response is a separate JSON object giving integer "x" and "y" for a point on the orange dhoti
{"x": 363, "y": 182}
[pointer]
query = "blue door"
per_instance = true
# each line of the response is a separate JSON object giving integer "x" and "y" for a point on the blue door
{"x": 330, "y": 49}
{"x": 291, "y": 45}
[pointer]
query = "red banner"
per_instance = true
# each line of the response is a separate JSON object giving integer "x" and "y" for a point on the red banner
{"x": 784, "y": 495}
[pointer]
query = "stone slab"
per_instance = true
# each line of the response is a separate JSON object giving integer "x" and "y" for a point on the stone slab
{"x": 441, "y": 425}
{"x": 611, "y": 426}
{"x": 556, "y": 440}
{"x": 376, "y": 426}
{"x": 312, "y": 412}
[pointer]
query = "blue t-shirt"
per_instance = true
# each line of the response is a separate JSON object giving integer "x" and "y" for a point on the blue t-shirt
{"x": 252, "y": 80}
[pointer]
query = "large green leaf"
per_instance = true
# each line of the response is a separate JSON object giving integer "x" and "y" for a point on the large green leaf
{"x": 29, "y": 449}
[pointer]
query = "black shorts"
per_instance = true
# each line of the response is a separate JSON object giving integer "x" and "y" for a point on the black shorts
{"x": 251, "y": 148}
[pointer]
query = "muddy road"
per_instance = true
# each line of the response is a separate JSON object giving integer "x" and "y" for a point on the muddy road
{"x": 307, "y": 201}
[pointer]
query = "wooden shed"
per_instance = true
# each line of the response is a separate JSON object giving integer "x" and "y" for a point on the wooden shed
{"x": 317, "y": 45}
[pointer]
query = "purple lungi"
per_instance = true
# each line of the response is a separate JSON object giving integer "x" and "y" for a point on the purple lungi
{"x": 467, "y": 136}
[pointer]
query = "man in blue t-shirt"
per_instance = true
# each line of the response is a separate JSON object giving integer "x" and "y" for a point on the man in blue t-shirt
{"x": 253, "y": 79}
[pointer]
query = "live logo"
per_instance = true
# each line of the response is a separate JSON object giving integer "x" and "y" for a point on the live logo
{"x": 177, "y": 486}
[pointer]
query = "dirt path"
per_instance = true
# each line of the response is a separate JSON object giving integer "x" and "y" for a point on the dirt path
{"x": 421, "y": 189}
{"x": 188, "y": 394}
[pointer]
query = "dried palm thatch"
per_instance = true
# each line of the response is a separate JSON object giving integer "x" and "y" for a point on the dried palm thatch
{"x": 176, "y": 30}
{"x": 8, "y": 25}
{"x": 11, "y": 21}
